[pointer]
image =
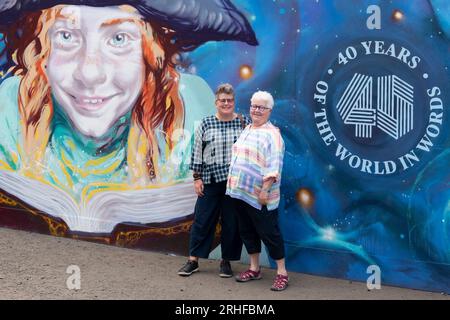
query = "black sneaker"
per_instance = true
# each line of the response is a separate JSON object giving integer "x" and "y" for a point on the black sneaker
{"x": 225, "y": 269}
{"x": 189, "y": 268}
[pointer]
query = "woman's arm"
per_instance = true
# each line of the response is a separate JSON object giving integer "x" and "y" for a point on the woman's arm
{"x": 197, "y": 160}
{"x": 274, "y": 163}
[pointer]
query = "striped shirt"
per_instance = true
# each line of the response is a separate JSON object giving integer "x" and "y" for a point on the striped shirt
{"x": 211, "y": 153}
{"x": 256, "y": 156}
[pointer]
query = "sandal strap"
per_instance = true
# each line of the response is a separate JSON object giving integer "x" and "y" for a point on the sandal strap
{"x": 280, "y": 281}
{"x": 249, "y": 274}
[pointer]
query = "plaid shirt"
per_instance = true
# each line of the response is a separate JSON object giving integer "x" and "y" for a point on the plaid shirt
{"x": 211, "y": 153}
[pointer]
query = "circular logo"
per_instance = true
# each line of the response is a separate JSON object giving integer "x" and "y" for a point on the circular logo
{"x": 376, "y": 108}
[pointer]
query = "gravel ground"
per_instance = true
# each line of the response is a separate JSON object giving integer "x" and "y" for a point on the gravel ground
{"x": 34, "y": 266}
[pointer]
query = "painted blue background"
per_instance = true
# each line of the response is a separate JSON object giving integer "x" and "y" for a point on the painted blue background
{"x": 399, "y": 222}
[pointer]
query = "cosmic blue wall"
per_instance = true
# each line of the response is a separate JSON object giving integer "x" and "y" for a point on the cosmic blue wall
{"x": 338, "y": 217}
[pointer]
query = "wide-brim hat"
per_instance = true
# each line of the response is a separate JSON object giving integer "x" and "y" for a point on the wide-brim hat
{"x": 194, "y": 22}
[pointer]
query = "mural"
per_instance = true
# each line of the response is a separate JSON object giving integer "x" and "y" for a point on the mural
{"x": 362, "y": 92}
{"x": 96, "y": 119}
{"x": 371, "y": 143}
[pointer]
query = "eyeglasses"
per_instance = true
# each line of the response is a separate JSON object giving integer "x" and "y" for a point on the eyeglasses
{"x": 259, "y": 108}
{"x": 226, "y": 100}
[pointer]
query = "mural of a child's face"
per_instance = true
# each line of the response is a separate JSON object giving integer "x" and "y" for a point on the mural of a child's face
{"x": 96, "y": 65}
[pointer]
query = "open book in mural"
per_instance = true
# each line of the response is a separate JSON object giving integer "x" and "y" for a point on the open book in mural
{"x": 100, "y": 211}
{"x": 96, "y": 120}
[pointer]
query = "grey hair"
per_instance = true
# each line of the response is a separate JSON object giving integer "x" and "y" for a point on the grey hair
{"x": 225, "y": 88}
{"x": 264, "y": 96}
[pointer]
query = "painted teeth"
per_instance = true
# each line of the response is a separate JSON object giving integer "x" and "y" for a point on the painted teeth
{"x": 93, "y": 101}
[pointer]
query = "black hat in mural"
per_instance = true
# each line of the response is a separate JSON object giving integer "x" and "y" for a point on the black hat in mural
{"x": 194, "y": 22}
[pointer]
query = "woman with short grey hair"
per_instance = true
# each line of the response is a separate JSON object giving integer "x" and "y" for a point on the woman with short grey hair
{"x": 254, "y": 184}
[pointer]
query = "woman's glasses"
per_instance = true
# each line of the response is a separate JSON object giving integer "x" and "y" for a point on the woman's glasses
{"x": 259, "y": 108}
{"x": 226, "y": 100}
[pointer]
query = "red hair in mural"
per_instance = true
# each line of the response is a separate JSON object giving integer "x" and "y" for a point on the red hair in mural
{"x": 159, "y": 105}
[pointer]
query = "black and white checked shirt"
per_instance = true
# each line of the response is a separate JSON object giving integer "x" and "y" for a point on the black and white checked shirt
{"x": 213, "y": 141}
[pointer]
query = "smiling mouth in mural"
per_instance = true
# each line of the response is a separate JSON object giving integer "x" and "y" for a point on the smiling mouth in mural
{"x": 92, "y": 103}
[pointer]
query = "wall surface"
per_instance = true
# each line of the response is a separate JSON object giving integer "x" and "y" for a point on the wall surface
{"x": 362, "y": 93}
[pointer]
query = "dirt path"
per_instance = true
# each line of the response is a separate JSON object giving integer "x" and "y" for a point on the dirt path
{"x": 33, "y": 266}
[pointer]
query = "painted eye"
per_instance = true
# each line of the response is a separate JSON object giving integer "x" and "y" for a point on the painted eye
{"x": 119, "y": 39}
{"x": 65, "y": 36}
{"x": 66, "y": 40}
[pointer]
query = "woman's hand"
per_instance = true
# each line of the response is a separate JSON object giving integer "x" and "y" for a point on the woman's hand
{"x": 198, "y": 187}
{"x": 263, "y": 197}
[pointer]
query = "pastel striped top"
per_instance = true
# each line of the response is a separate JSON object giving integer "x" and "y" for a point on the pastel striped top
{"x": 256, "y": 156}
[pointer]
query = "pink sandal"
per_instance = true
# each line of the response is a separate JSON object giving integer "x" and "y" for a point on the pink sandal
{"x": 248, "y": 275}
{"x": 280, "y": 283}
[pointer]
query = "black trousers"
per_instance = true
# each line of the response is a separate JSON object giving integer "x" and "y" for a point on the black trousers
{"x": 208, "y": 208}
{"x": 256, "y": 225}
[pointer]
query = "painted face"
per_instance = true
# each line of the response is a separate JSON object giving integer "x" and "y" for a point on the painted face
{"x": 225, "y": 104}
{"x": 96, "y": 65}
{"x": 259, "y": 112}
